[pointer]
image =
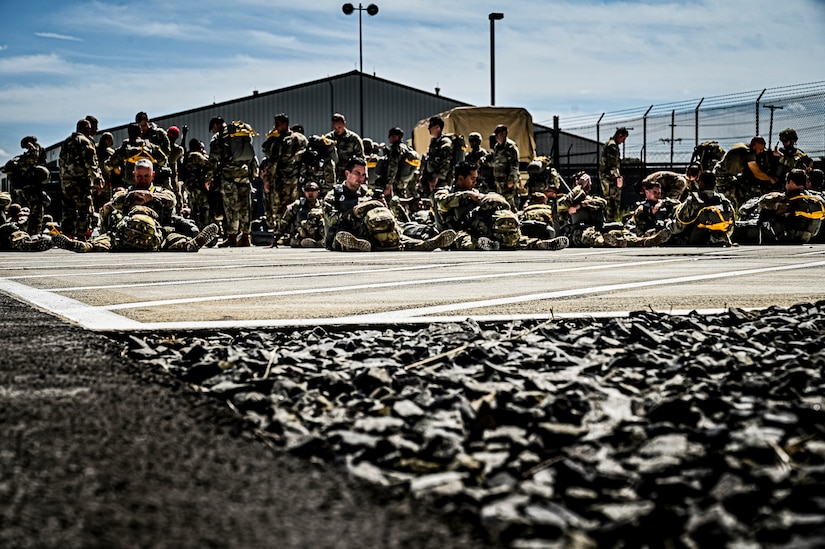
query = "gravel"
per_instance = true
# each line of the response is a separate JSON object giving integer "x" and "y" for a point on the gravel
{"x": 651, "y": 430}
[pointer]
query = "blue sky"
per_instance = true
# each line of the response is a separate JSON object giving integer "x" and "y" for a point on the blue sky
{"x": 60, "y": 61}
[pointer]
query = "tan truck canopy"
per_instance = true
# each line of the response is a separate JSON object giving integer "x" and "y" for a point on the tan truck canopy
{"x": 465, "y": 120}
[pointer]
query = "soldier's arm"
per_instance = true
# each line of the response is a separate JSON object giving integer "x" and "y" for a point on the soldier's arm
{"x": 758, "y": 173}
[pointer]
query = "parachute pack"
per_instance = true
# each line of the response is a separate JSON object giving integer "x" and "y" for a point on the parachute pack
{"x": 382, "y": 227}
{"x": 410, "y": 163}
{"x": 139, "y": 231}
{"x": 459, "y": 148}
{"x": 241, "y": 149}
{"x": 493, "y": 218}
{"x": 707, "y": 154}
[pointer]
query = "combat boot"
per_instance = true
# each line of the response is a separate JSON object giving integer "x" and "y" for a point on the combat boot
{"x": 310, "y": 243}
{"x": 558, "y": 243}
{"x": 207, "y": 235}
{"x": 487, "y": 244}
{"x": 657, "y": 239}
{"x": 231, "y": 241}
{"x": 351, "y": 243}
{"x": 613, "y": 241}
{"x": 243, "y": 241}
{"x": 64, "y": 242}
{"x": 442, "y": 240}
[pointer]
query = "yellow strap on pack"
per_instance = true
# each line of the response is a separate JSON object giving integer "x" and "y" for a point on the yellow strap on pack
{"x": 819, "y": 214}
{"x": 721, "y": 225}
{"x": 414, "y": 162}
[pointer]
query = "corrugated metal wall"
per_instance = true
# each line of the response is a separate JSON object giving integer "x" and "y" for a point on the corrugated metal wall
{"x": 386, "y": 104}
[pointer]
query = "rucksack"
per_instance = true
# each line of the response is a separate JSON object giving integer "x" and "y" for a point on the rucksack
{"x": 139, "y": 231}
{"x": 239, "y": 142}
{"x": 707, "y": 154}
{"x": 409, "y": 164}
{"x": 382, "y": 228}
{"x": 459, "y": 148}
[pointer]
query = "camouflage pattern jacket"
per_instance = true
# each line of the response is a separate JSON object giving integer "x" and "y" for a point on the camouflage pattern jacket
{"x": 505, "y": 162}
{"x": 78, "y": 159}
{"x": 611, "y": 161}
{"x": 793, "y": 216}
{"x": 195, "y": 171}
{"x": 440, "y": 159}
{"x": 338, "y": 211}
{"x": 347, "y": 145}
{"x": 284, "y": 152}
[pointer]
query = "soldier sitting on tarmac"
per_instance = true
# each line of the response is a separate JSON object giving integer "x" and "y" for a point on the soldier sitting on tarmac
{"x": 484, "y": 221}
{"x": 654, "y": 213}
{"x": 12, "y": 236}
{"x": 354, "y": 222}
{"x": 705, "y": 217}
{"x": 585, "y": 221}
{"x": 302, "y": 224}
{"x": 139, "y": 227}
{"x": 790, "y": 217}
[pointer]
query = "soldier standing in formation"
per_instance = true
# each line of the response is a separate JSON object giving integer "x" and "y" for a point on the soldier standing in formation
{"x": 610, "y": 173}
{"x": 284, "y": 149}
{"x": 196, "y": 172}
{"x": 505, "y": 167}
{"x": 348, "y": 144}
{"x": 438, "y": 169}
{"x": 233, "y": 178}
{"x": 402, "y": 165}
{"x": 79, "y": 173}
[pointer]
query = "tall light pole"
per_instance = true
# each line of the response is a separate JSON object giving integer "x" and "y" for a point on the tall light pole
{"x": 372, "y": 9}
{"x": 495, "y": 16}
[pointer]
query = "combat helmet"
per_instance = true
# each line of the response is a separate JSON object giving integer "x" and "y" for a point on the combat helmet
{"x": 788, "y": 134}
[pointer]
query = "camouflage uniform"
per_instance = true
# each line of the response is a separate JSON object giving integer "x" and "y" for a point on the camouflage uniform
{"x": 234, "y": 181}
{"x": 586, "y": 227}
{"x": 303, "y": 220}
{"x": 122, "y": 161}
{"x": 112, "y": 181}
{"x": 609, "y": 171}
{"x": 174, "y": 161}
{"x": 673, "y": 184}
{"x": 792, "y": 217}
{"x": 79, "y": 171}
{"x": 439, "y": 162}
{"x": 339, "y": 216}
{"x": 347, "y": 145}
{"x": 401, "y": 177}
{"x": 319, "y": 162}
{"x": 284, "y": 153}
{"x": 28, "y": 173}
{"x": 504, "y": 162}
{"x": 196, "y": 171}
{"x": 13, "y": 238}
{"x": 541, "y": 174}
{"x": 653, "y": 216}
{"x": 704, "y": 218}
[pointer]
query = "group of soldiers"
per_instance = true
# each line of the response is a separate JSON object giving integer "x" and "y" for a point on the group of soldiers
{"x": 343, "y": 192}
{"x": 747, "y": 194}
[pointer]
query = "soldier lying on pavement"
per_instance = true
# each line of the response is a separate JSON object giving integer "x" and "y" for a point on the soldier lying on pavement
{"x": 137, "y": 225}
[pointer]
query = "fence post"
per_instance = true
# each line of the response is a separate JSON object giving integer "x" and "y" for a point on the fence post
{"x": 644, "y": 137}
{"x": 556, "y": 135}
{"x": 696, "y": 122}
{"x": 757, "y": 110}
{"x": 599, "y": 142}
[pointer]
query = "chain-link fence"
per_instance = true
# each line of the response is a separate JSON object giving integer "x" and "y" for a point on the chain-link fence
{"x": 663, "y": 136}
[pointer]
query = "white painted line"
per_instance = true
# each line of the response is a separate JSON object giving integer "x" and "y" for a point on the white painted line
{"x": 336, "y": 289}
{"x": 395, "y": 316}
{"x": 92, "y": 318}
{"x": 274, "y": 277}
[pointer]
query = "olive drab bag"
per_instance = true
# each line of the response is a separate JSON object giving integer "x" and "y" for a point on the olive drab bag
{"x": 494, "y": 219}
{"x": 382, "y": 227}
{"x": 241, "y": 149}
{"x": 139, "y": 230}
{"x": 459, "y": 148}
{"x": 707, "y": 155}
{"x": 409, "y": 165}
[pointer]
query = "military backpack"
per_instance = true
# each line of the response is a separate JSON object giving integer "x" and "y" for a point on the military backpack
{"x": 239, "y": 142}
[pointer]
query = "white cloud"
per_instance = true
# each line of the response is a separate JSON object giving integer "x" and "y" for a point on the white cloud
{"x": 36, "y": 64}
{"x": 58, "y": 36}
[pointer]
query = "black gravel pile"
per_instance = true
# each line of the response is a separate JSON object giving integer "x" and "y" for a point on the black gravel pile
{"x": 651, "y": 430}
